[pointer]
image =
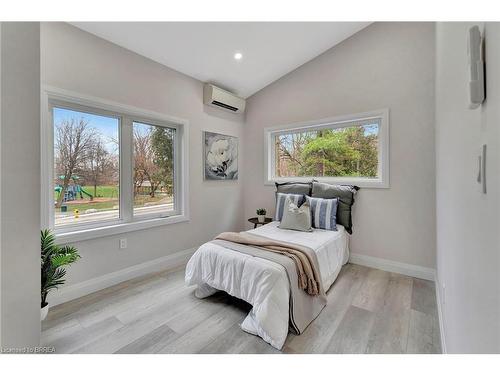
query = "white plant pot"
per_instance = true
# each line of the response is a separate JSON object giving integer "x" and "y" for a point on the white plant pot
{"x": 43, "y": 312}
{"x": 261, "y": 218}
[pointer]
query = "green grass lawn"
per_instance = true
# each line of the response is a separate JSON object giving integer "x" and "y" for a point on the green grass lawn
{"x": 103, "y": 191}
{"x": 83, "y": 205}
{"x": 107, "y": 198}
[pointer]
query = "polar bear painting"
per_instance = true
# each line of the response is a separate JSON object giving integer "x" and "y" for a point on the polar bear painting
{"x": 221, "y": 156}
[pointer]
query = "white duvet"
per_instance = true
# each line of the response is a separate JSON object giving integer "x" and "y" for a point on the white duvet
{"x": 262, "y": 283}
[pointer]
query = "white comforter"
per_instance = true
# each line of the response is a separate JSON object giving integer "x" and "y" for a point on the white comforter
{"x": 262, "y": 283}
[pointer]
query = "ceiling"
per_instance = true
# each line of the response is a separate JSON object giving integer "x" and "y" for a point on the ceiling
{"x": 205, "y": 50}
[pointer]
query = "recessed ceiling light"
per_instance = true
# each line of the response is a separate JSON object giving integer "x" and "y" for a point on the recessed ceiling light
{"x": 238, "y": 56}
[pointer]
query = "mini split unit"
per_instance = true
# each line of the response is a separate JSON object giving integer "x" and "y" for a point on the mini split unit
{"x": 222, "y": 99}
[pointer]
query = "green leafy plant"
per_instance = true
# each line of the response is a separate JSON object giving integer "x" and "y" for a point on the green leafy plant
{"x": 261, "y": 211}
{"x": 54, "y": 258}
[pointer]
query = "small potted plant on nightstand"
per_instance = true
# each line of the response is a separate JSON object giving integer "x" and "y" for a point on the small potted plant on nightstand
{"x": 53, "y": 260}
{"x": 261, "y": 214}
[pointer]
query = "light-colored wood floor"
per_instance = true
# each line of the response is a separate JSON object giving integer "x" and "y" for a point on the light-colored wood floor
{"x": 368, "y": 311}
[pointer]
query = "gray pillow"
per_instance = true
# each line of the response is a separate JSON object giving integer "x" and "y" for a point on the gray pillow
{"x": 296, "y": 218}
{"x": 345, "y": 194}
{"x": 294, "y": 187}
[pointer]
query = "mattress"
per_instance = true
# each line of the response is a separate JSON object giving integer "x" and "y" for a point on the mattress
{"x": 262, "y": 283}
{"x": 331, "y": 247}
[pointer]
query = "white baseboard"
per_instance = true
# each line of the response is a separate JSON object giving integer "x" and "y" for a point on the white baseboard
{"x": 439, "y": 301}
{"x": 392, "y": 266}
{"x": 167, "y": 262}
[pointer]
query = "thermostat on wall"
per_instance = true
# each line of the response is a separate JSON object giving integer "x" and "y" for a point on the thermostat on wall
{"x": 476, "y": 67}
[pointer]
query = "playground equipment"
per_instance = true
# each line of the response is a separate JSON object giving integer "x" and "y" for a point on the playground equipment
{"x": 72, "y": 191}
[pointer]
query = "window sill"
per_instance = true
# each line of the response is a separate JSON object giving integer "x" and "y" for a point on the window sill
{"x": 375, "y": 183}
{"x": 114, "y": 229}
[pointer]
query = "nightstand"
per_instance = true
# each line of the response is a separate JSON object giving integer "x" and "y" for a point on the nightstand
{"x": 255, "y": 221}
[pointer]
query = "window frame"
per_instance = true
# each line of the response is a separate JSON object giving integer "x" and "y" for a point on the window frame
{"x": 127, "y": 115}
{"x": 176, "y": 187}
{"x": 382, "y": 179}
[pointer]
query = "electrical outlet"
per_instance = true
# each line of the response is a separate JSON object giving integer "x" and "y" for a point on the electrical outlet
{"x": 123, "y": 243}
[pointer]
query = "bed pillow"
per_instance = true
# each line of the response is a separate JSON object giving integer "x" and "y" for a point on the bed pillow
{"x": 296, "y": 218}
{"x": 345, "y": 195}
{"x": 294, "y": 187}
{"x": 323, "y": 212}
{"x": 298, "y": 199}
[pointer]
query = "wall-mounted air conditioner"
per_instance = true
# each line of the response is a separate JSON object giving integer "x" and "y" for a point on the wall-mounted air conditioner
{"x": 217, "y": 97}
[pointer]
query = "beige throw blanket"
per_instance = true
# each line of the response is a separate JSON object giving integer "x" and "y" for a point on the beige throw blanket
{"x": 304, "y": 258}
{"x": 301, "y": 266}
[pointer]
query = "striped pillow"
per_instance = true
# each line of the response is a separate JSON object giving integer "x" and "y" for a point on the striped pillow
{"x": 323, "y": 212}
{"x": 298, "y": 199}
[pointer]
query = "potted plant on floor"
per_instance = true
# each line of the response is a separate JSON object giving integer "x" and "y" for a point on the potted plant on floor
{"x": 53, "y": 260}
{"x": 261, "y": 214}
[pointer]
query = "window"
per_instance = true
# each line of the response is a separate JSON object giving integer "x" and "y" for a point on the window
{"x": 352, "y": 149}
{"x": 111, "y": 168}
{"x": 86, "y": 183}
{"x": 153, "y": 168}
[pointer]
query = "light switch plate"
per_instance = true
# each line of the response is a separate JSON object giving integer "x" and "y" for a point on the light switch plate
{"x": 483, "y": 169}
{"x": 481, "y": 173}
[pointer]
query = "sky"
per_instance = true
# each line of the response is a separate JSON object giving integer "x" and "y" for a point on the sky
{"x": 371, "y": 129}
{"x": 108, "y": 127}
{"x": 141, "y": 128}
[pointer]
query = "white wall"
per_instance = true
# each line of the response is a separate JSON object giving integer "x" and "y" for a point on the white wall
{"x": 20, "y": 182}
{"x": 386, "y": 65}
{"x": 0, "y": 181}
{"x": 468, "y": 243}
{"x": 78, "y": 61}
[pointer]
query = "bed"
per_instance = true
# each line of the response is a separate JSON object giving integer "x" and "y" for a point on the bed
{"x": 263, "y": 283}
